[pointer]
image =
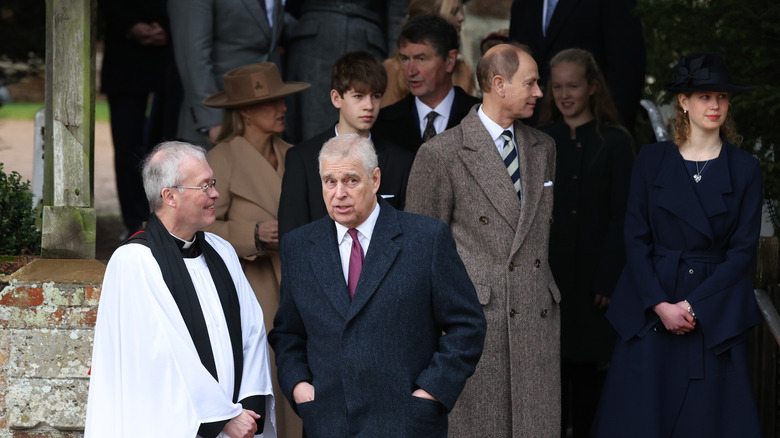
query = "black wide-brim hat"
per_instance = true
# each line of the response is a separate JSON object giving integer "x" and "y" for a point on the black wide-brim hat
{"x": 253, "y": 83}
{"x": 702, "y": 72}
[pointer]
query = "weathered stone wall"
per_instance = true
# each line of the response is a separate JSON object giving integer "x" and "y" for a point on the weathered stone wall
{"x": 47, "y": 316}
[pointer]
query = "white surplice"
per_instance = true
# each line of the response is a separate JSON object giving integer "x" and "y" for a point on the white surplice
{"x": 147, "y": 379}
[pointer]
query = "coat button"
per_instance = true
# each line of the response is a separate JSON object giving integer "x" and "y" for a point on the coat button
{"x": 573, "y": 212}
{"x": 484, "y": 219}
{"x": 690, "y": 271}
{"x": 537, "y": 263}
{"x": 512, "y": 313}
{"x": 578, "y": 145}
{"x": 574, "y": 177}
{"x": 511, "y": 266}
{"x": 544, "y": 313}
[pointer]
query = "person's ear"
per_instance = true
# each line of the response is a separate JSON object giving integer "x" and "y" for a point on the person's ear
{"x": 376, "y": 177}
{"x": 683, "y": 99}
{"x": 452, "y": 58}
{"x": 335, "y": 98}
{"x": 168, "y": 197}
{"x": 497, "y": 84}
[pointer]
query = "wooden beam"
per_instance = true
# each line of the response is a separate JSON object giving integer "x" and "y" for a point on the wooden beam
{"x": 68, "y": 215}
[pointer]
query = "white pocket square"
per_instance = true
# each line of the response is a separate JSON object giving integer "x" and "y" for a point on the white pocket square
{"x": 548, "y": 183}
{"x": 387, "y": 196}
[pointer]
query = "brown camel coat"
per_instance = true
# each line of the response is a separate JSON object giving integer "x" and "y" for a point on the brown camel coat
{"x": 249, "y": 190}
{"x": 460, "y": 178}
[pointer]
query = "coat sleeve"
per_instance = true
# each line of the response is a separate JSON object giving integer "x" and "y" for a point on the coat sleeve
{"x": 288, "y": 337}
{"x": 240, "y": 232}
{"x": 294, "y": 208}
{"x": 429, "y": 190}
{"x": 192, "y": 29}
{"x": 638, "y": 288}
{"x": 457, "y": 311}
{"x": 614, "y": 251}
{"x": 724, "y": 302}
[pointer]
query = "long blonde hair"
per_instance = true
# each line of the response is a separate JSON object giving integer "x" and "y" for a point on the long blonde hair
{"x": 601, "y": 105}
{"x": 682, "y": 125}
{"x": 232, "y": 125}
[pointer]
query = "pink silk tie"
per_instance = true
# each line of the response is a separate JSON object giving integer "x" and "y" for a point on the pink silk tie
{"x": 355, "y": 262}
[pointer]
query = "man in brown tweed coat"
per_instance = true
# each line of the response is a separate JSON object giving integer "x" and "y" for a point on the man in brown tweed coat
{"x": 501, "y": 227}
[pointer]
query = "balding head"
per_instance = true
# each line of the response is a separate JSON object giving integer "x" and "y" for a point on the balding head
{"x": 508, "y": 77}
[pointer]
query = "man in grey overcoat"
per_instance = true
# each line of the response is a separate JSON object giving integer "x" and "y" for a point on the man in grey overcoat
{"x": 210, "y": 38}
{"x": 491, "y": 180}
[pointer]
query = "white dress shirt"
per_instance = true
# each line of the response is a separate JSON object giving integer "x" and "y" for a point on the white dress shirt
{"x": 344, "y": 240}
{"x": 443, "y": 109}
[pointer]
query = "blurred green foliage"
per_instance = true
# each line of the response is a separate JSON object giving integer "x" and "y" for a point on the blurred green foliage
{"x": 18, "y": 233}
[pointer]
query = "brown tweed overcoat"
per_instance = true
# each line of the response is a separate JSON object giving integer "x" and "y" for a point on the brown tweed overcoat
{"x": 460, "y": 178}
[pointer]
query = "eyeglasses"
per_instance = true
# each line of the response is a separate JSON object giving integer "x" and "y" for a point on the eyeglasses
{"x": 204, "y": 187}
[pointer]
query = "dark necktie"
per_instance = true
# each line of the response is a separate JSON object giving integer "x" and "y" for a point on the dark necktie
{"x": 355, "y": 262}
{"x": 430, "y": 131}
{"x": 509, "y": 154}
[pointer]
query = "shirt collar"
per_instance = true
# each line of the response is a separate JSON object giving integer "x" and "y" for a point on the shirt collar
{"x": 336, "y": 131}
{"x": 366, "y": 228}
{"x": 494, "y": 128}
{"x": 443, "y": 109}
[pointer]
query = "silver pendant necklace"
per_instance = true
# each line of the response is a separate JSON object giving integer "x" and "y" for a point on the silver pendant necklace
{"x": 697, "y": 175}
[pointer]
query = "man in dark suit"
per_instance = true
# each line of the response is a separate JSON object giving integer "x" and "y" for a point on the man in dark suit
{"x": 358, "y": 81}
{"x": 428, "y": 47}
{"x": 137, "y": 64}
{"x": 605, "y": 28}
{"x": 378, "y": 326}
{"x": 210, "y": 38}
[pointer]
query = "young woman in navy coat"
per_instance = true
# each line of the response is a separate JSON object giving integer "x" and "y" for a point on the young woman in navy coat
{"x": 684, "y": 304}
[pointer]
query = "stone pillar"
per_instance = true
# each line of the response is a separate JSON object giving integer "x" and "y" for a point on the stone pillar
{"x": 68, "y": 214}
{"x": 47, "y": 316}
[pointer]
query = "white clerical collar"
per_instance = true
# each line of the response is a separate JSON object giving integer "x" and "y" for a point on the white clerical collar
{"x": 494, "y": 128}
{"x": 443, "y": 109}
{"x": 336, "y": 130}
{"x": 187, "y": 244}
{"x": 366, "y": 228}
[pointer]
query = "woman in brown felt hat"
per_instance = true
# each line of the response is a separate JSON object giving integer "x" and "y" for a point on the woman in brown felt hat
{"x": 248, "y": 164}
{"x": 684, "y": 303}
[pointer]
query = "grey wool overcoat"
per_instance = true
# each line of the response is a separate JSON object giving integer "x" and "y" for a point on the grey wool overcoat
{"x": 460, "y": 178}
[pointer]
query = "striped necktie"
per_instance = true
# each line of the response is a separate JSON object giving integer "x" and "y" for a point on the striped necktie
{"x": 509, "y": 155}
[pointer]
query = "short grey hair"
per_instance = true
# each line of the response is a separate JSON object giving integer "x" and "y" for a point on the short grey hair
{"x": 161, "y": 168}
{"x": 351, "y": 145}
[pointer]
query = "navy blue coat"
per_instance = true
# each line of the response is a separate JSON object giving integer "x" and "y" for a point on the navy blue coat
{"x": 694, "y": 242}
{"x": 367, "y": 355}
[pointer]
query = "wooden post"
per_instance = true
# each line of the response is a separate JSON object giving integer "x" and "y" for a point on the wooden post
{"x": 68, "y": 214}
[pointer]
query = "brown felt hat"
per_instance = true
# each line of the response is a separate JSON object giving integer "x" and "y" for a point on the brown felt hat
{"x": 253, "y": 83}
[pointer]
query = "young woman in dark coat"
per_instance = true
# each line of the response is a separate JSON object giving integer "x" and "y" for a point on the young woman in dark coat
{"x": 684, "y": 304}
{"x": 593, "y": 169}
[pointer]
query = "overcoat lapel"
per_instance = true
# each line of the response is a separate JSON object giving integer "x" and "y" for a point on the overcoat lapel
{"x": 718, "y": 182}
{"x": 326, "y": 265}
{"x": 254, "y": 9}
{"x": 260, "y": 182}
{"x": 677, "y": 193}
{"x": 380, "y": 257}
{"x": 480, "y": 156}
{"x": 532, "y": 178}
